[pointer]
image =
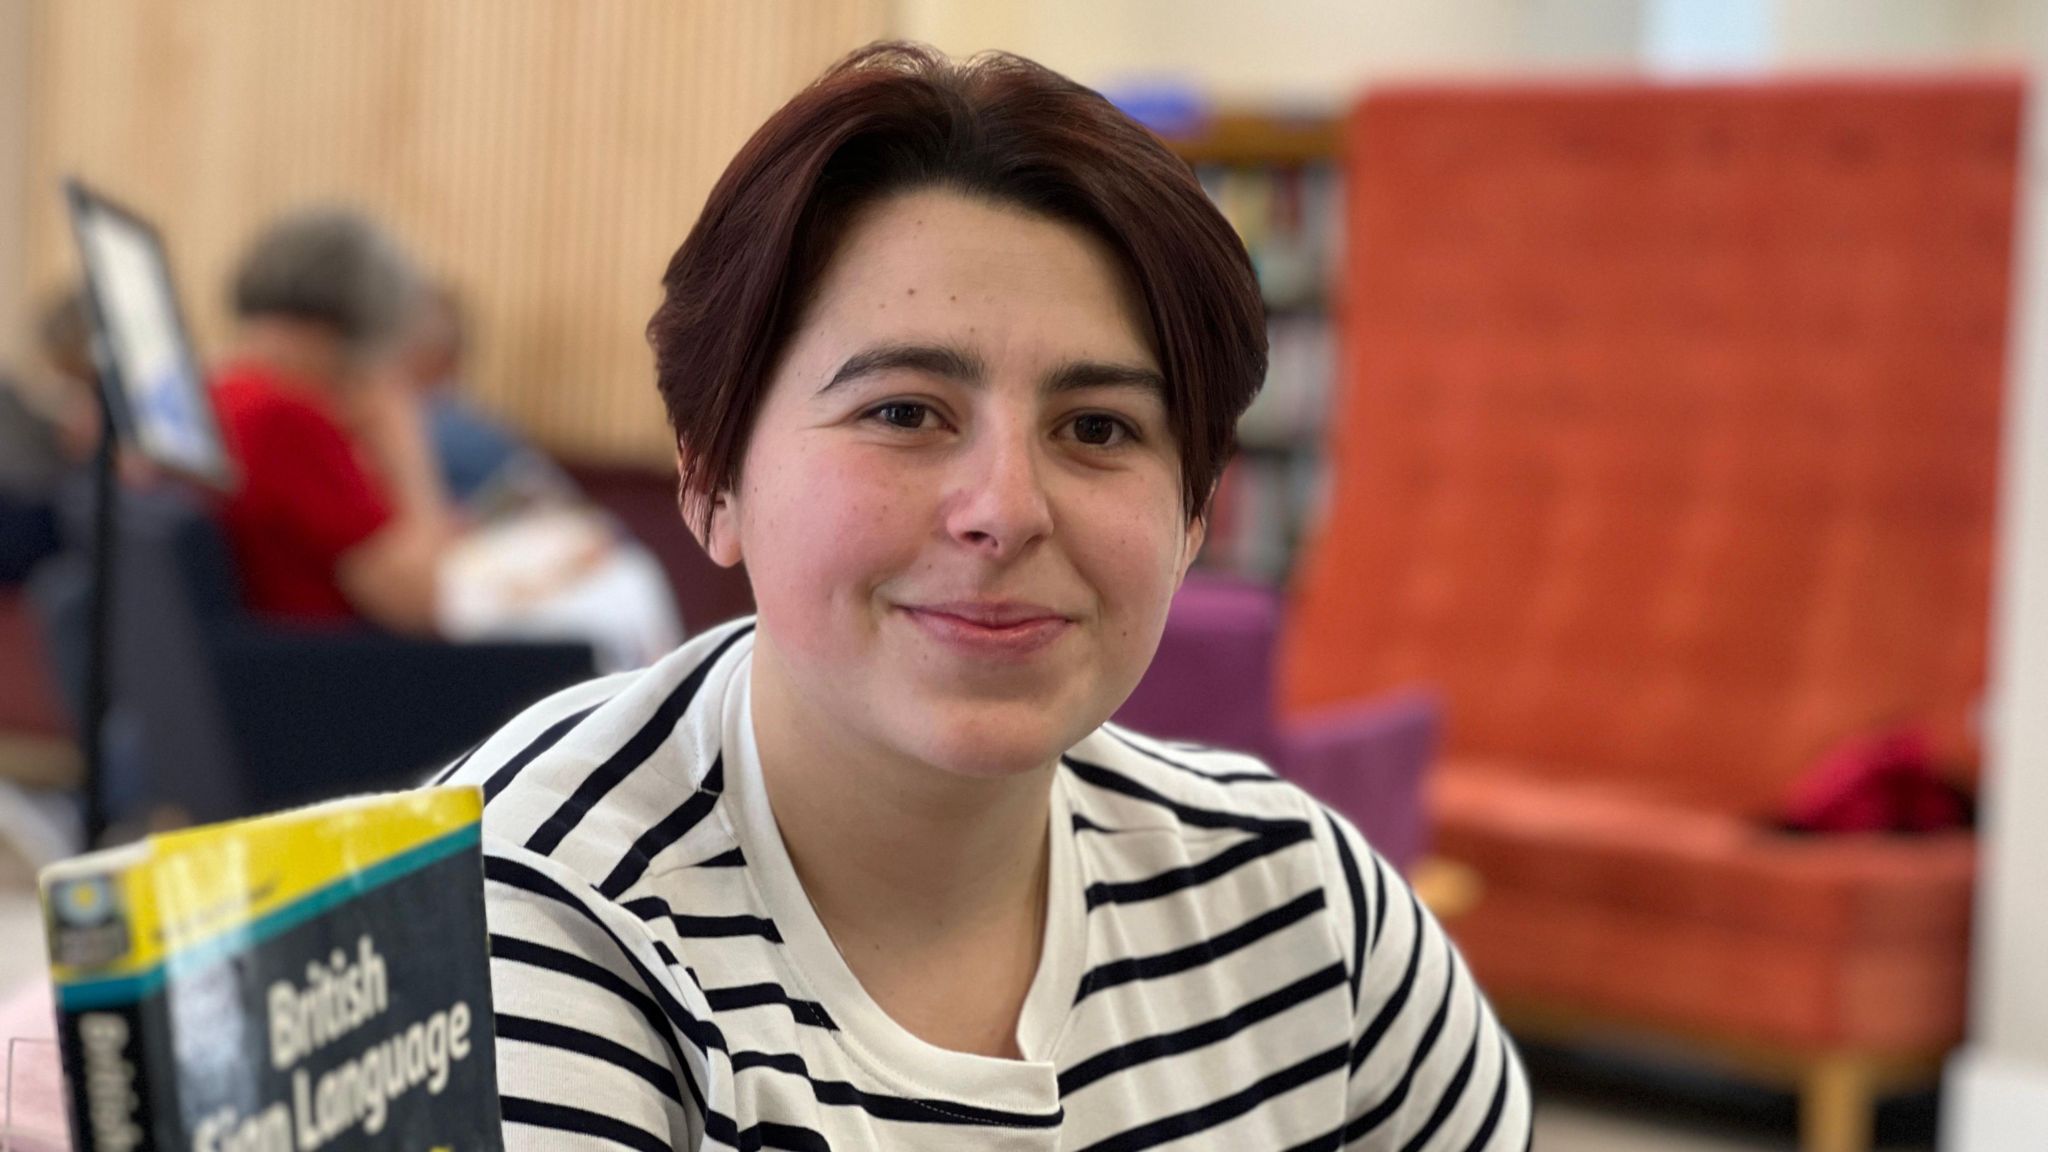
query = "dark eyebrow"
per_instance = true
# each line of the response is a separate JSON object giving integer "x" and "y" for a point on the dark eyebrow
{"x": 965, "y": 367}
{"x": 930, "y": 359}
{"x": 1079, "y": 374}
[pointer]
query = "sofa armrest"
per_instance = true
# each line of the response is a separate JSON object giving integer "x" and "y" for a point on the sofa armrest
{"x": 315, "y": 713}
{"x": 1368, "y": 761}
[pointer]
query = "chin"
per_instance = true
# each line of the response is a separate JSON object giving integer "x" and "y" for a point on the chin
{"x": 996, "y": 742}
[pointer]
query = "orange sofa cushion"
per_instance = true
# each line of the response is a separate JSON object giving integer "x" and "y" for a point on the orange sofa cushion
{"x": 1705, "y": 923}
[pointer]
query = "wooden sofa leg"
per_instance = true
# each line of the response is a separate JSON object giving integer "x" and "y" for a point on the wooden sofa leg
{"x": 1837, "y": 1105}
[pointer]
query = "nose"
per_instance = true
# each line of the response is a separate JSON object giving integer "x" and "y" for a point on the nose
{"x": 999, "y": 506}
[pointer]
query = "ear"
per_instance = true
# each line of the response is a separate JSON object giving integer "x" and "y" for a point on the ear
{"x": 712, "y": 520}
{"x": 1191, "y": 545}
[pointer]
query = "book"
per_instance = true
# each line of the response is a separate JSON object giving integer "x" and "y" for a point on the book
{"x": 315, "y": 979}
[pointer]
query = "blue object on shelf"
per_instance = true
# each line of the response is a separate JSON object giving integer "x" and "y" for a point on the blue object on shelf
{"x": 1168, "y": 109}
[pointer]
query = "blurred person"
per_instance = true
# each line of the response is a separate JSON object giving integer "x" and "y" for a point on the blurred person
{"x": 50, "y": 424}
{"x": 341, "y": 511}
{"x": 953, "y": 356}
{"x": 49, "y": 432}
{"x": 30, "y": 467}
{"x": 476, "y": 451}
{"x": 64, "y": 337}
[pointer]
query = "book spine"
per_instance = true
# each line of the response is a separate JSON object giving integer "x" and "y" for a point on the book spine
{"x": 119, "y": 1093}
{"x": 112, "y": 1032}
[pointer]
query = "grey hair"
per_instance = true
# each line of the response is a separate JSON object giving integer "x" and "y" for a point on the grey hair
{"x": 331, "y": 265}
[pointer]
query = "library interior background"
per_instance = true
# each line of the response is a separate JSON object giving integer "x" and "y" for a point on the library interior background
{"x": 1641, "y": 534}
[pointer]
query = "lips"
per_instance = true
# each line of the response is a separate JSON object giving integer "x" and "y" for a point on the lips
{"x": 991, "y": 613}
{"x": 993, "y": 629}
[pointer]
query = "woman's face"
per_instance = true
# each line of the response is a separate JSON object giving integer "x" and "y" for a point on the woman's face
{"x": 961, "y": 504}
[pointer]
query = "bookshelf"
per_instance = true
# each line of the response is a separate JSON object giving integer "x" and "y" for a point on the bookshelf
{"x": 1276, "y": 179}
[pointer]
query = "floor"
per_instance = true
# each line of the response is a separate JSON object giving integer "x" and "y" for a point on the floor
{"x": 1586, "y": 1102}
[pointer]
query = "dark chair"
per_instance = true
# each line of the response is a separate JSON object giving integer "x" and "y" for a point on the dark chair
{"x": 220, "y": 713}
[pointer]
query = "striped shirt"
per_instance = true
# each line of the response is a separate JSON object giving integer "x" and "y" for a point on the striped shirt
{"x": 1226, "y": 964}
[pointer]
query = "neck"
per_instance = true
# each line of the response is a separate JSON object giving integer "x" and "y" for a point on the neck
{"x": 895, "y": 853}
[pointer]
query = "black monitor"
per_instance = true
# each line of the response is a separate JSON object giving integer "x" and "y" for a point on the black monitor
{"x": 155, "y": 394}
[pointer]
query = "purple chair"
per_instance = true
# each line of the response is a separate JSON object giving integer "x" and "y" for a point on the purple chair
{"x": 1212, "y": 683}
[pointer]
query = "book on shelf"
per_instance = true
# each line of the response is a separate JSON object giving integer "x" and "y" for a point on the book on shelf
{"x": 315, "y": 979}
{"x": 1277, "y": 183}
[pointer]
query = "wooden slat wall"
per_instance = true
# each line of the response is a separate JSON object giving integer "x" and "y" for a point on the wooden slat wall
{"x": 546, "y": 155}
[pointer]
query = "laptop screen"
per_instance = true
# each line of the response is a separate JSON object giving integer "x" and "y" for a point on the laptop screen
{"x": 156, "y": 393}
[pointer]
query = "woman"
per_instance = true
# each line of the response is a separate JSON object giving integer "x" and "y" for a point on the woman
{"x": 953, "y": 356}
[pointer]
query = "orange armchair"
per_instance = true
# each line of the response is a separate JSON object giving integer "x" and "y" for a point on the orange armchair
{"x": 1667, "y": 447}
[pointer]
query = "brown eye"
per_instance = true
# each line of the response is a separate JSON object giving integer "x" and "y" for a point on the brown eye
{"x": 907, "y": 416}
{"x": 1097, "y": 431}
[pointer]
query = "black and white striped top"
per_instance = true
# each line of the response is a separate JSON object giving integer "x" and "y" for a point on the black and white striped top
{"x": 1227, "y": 965}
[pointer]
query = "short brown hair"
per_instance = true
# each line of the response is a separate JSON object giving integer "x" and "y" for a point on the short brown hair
{"x": 894, "y": 117}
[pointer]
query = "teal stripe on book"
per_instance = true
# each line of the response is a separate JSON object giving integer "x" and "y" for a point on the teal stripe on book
{"x": 88, "y": 994}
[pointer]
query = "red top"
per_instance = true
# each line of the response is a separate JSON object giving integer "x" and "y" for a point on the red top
{"x": 305, "y": 496}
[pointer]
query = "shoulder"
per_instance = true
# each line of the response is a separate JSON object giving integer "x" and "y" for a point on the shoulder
{"x": 574, "y": 976}
{"x": 1180, "y": 787}
{"x": 274, "y": 427}
{"x": 1126, "y": 782}
{"x": 583, "y": 774}
{"x": 248, "y": 394}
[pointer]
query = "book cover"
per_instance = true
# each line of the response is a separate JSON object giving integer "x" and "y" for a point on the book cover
{"x": 316, "y": 979}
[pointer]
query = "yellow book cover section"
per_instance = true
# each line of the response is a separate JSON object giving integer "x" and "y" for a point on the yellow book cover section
{"x": 318, "y": 978}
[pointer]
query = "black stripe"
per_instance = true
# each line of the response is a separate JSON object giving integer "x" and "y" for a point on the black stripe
{"x": 1115, "y": 972}
{"x": 1225, "y": 1109}
{"x": 1386, "y": 1108}
{"x": 908, "y": 1109}
{"x": 746, "y": 996}
{"x": 788, "y": 1137}
{"x": 563, "y": 1118}
{"x": 1500, "y": 1100}
{"x": 1188, "y": 876}
{"x": 1208, "y": 1032}
{"x": 1266, "y": 777}
{"x": 1454, "y": 1093}
{"x": 1356, "y": 888}
{"x": 513, "y": 950}
{"x": 650, "y": 999}
{"x": 666, "y": 832}
{"x": 541, "y": 743}
{"x": 703, "y": 927}
{"x": 1370, "y": 1038}
{"x": 1189, "y": 814}
{"x": 702, "y": 1033}
{"x": 631, "y": 755}
{"x": 559, "y": 1036}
